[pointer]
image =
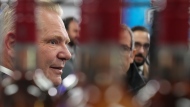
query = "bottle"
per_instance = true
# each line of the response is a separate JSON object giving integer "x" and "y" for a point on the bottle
{"x": 99, "y": 81}
{"x": 27, "y": 87}
{"x": 169, "y": 79}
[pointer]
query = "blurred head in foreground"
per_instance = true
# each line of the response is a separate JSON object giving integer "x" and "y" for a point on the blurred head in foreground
{"x": 126, "y": 46}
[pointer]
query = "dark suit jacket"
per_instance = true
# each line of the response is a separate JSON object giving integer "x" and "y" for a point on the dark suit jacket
{"x": 134, "y": 80}
{"x": 3, "y": 76}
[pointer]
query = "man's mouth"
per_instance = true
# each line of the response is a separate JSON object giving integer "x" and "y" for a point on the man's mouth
{"x": 138, "y": 56}
{"x": 58, "y": 68}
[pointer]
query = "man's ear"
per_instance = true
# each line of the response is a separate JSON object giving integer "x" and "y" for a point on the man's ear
{"x": 10, "y": 43}
{"x": 132, "y": 56}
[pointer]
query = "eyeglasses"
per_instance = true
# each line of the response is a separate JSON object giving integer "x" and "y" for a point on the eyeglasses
{"x": 139, "y": 45}
{"x": 125, "y": 49}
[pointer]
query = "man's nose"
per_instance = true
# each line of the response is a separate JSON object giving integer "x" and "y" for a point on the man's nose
{"x": 64, "y": 54}
{"x": 77, "y": 35}
{"x": 141, "y": 50}
{"x": 68, "y": 54}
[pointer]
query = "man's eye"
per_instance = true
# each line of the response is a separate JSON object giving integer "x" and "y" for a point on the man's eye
{"x": 137, "y": 44}
{"x": 125, "y": 48}
{"x": 146, "y": 45}
{"x": 53, "y": 41}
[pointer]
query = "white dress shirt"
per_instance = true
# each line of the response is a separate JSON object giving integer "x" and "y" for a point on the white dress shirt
{"x": 6, "y": 70}
{"x": 140, "y": 69}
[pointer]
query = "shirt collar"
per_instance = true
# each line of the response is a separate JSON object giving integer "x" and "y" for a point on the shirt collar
{"x": 6, "y": 70}
{"x": 141, "y": 67}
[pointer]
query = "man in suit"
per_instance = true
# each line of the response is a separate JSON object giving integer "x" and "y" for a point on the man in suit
{"x": 51, "y": 41}
{"x": 142, "y": 44}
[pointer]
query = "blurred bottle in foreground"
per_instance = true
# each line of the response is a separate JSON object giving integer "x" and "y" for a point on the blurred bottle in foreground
{"x": 25, "y": 86}
{"x": 169, "y": 56}
{"x": 101, "y": 77}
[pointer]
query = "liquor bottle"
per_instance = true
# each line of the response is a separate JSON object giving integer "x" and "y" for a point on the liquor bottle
{"x": 26, "y": 87}
{"x": 169, "y": 79}
{"x": 100, "y": 82}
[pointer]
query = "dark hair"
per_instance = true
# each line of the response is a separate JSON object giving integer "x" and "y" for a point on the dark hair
{"x": 68, "y": 20}
{"x": 139, "y": 28}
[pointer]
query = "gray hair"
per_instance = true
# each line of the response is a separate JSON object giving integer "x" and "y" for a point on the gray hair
{"x": 126, "y": 28}
{"x": 6, "y": 24}
{"x": 7, "y": 18}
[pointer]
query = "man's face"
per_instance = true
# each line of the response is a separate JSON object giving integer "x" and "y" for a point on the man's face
{"x": 73, "y": 31}
{"x": 51, "y": 42}
{"x": 126, "y": 52}
{"x": 142, "y": 44}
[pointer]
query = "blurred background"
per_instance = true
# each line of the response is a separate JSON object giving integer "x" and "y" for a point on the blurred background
{"x": 166, "y": 24}
{"x": 138, "y": 13}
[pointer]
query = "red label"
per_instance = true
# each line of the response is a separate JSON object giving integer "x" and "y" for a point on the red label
{"x": 25, "y": 21}
{"x": 174, "y": 25}
{"x": 100, "y": 21}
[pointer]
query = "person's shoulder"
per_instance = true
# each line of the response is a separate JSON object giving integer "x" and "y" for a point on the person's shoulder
{"x": 146, "y": 70}
{"x": 145, "y": 65}
{"x": 134, "y": 80}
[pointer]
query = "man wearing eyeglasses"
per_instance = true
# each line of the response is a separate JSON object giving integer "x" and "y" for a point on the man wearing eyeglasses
{"x": 126, "y": 42}
{"x": 142, "y": 44}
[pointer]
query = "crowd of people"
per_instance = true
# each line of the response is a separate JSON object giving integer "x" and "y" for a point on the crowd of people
{"x": 75, "y": 64}
{"x": 57, "y": 42}
{"x": 134, "y": 43}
